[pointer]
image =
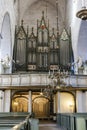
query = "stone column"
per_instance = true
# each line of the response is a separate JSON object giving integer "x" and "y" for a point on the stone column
{"x": 51, "y": 105}
{"x": 7, "y": 99}
{"x": 86, "y": 101}
{"x": 58, "y": 102}
{"x": 54, "y": 110}
{"x": 1, "y": 101}
{"x": 30, "y": 102}
{"x": 79, "y": 101}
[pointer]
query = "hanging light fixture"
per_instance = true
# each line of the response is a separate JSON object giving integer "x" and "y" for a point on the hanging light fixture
{"x": 57, "y": 82}
{"x": 57, "y": 79}
{"x": 82, "y": 14}
{"x": 41, "y": 93}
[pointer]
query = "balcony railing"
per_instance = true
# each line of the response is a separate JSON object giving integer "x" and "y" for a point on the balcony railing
{"x": 38, "y": 79}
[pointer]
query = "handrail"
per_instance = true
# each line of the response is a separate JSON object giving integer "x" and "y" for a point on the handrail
{"x": 19, "y": 126}
{"x": 22, "y": 125}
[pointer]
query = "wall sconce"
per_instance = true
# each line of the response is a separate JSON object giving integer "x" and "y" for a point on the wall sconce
{"x": 70, "y": 105}
{"x": 15, "y": 103}
{"x": 41, "y": 93}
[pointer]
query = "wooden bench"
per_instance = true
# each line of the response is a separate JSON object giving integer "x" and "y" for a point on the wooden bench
{"x": 9, "y": 121}
{"x": 74, "y": 121}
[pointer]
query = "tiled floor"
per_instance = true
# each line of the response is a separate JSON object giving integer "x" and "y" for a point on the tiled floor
{"x": 48, "y": 125}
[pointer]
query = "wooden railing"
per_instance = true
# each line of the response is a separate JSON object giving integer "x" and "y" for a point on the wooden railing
{"x": 14, "y": 121}
{"x": 24, "y": 125}
{"x": 75, "y": 121}
{"x": 18, "y": 121}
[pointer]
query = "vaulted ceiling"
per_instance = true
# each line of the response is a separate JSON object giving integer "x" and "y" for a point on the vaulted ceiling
{"x": 31, "y": 10}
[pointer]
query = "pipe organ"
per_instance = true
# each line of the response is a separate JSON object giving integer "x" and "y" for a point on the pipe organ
{"x": 43, "y": 52}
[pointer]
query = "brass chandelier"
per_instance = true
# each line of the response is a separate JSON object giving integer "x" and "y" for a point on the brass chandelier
{"x": 82, "y": 14}
{"x": 57, "y": 81}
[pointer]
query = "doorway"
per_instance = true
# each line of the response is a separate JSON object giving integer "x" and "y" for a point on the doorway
{"x": 19, "y": 103}
{"x": 41, "y": 107}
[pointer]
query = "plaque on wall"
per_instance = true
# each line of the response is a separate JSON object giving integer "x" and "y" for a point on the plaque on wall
{"x": 31, "y": 67}
{"x": 43, "y": 49}
{"x": 54, "y": 67}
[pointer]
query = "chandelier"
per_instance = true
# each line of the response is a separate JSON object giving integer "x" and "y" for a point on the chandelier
{"x": 82, "y": 14}
{"x": 57, "y": 81}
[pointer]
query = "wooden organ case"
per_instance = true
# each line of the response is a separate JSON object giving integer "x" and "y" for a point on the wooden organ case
{"x": 43, "y": 52}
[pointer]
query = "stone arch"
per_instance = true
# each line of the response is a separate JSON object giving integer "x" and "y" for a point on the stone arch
{"x": 19, "y": 103}
{"x": 40, "y": 97}
{"x": 41, "y": 106}
{"x": 6, "y": 45}
{"x": 67, "y": 102}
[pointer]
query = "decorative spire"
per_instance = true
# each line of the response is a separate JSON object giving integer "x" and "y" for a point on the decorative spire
{"x": 37, "y": 23}
{"x": 43, "y": 24}
{"x": 32, "y": 29}
{"x": 46, "y": 10}
{"x": 57, "y": 16}
{"x": 42, "y": 14}
{"x": 53, "y": 30}
{"x": 48, "y": 23}
{"x": 27, "y": 30}
{"x": 53, "y": 35}
{"x": 32, "y": 32}
{"x": 22, "y": 22}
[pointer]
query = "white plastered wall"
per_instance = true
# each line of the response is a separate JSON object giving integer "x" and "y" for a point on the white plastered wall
{"x": 8, "y": 9}
{"x": 78, "y": 29}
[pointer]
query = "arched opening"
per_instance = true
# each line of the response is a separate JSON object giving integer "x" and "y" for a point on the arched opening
{"x": 6, "y": 45}
{"x": 41, "y": 107}
{"x": 82, "y": 41}
{"x": 19, "y": 104}
{"x": 67, "y": 102}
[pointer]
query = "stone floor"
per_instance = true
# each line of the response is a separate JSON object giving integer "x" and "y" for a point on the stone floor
{"x": 49, "y": 125}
